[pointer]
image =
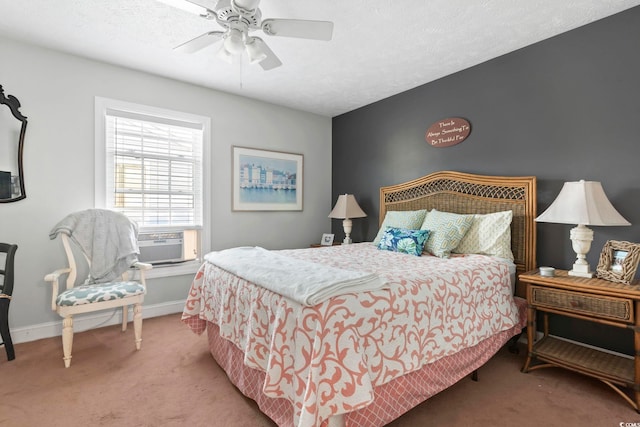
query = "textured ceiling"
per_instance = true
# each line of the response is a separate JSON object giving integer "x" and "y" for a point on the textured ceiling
{"x": 379, "y": 47}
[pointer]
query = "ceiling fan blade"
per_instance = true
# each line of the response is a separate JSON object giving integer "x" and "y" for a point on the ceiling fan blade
{"x": 314, "y": 30}
{"x": 207, "y": 4}
{"x": 195, "y": 7}
{"x": 271, "y": 61}
{"x": 200, "y": 42}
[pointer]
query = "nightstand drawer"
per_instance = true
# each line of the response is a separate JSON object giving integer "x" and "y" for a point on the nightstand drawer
{"x": 620, "y": 309}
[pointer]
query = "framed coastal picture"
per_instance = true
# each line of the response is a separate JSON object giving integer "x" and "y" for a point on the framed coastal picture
{"x": 266, "y": 180}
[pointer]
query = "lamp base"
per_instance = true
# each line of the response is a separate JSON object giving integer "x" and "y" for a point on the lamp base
{"x": 581, "y": 238}
{"x": 347, "y": 225}
{"x": 577, "y": 273}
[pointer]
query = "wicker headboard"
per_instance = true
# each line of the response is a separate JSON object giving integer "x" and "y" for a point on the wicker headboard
{"x": 465, "y": 193}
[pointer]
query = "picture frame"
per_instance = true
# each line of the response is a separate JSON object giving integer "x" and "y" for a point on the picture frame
{"x": 265, "y": 180}
{"x": 327, "y": 239}
{"x": 618, "y": 261}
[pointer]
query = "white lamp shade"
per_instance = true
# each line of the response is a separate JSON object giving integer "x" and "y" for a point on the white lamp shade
{"x": 347, "y": 207}
{"x": 582, "y": 202}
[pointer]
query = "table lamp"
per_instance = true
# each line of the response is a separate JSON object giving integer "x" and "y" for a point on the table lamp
{"x": 346, "y": 208}
{"x": 582, "y": 203}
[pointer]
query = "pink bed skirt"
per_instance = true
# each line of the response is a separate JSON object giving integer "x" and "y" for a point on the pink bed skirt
{"x": 391, "y": 399}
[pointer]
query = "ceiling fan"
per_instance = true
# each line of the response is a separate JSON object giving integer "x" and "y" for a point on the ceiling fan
{"x": 240, "y": 17}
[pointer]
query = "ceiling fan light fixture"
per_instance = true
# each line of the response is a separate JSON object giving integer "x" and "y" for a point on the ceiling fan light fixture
{"x": 255, "y": 50}
{"x": 233, "y": 43}
{"x": 225, "y": 55}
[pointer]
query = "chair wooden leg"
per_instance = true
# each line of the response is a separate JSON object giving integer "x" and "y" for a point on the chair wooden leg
{"x": 4, "y": 328}
{"x": 67, "y": 339}
{"x": 137, "y": 324}
{"x": 125, "y": 317}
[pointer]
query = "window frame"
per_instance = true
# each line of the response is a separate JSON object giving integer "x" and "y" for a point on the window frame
{"x": 102, "y": 105}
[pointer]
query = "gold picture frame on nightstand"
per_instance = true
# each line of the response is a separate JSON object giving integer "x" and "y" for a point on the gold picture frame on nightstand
{"x": 618, "y": 261}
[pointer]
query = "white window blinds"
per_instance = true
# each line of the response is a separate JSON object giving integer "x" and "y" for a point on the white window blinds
{"x": 154, "y": 169}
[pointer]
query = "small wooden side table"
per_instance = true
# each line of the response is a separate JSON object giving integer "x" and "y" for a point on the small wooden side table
{"x": 318, "y": 245}
{"x": 594, "y": 300}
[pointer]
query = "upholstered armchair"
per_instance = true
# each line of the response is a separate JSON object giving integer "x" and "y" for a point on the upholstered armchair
{"x": 103, "y": 242}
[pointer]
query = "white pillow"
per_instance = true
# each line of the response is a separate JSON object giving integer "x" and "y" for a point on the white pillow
{"x": 489, "y": 234}
{"x": 410, "y": 220}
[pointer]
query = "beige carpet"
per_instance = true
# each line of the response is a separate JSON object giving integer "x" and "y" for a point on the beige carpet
{"x": 173, "y": 381}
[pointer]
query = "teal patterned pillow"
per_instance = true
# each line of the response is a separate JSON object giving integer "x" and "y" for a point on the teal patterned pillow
{"x": 403, "y": 240}
{"x": 446, "y": 231}
{"x": 410, "y": 220}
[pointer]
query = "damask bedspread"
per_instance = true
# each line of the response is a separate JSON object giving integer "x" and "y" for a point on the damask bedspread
{"x": 326, "y": 359}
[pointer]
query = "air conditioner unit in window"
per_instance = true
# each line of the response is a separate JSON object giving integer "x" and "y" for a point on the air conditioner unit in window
{"x": 165, "y": 247}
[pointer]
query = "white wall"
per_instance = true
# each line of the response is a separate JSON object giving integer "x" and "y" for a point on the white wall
{"x": 57, "y": 93}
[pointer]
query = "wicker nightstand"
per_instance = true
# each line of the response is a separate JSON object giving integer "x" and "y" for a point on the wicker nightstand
{"x": 594, "y": 300}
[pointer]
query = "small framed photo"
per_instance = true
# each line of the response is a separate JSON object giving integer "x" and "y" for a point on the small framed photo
{"x": 618, "y": 261}
{"x": 327, "y": 239}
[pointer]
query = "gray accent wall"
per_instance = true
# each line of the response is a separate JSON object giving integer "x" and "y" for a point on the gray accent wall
{"x": 564, "y": 109}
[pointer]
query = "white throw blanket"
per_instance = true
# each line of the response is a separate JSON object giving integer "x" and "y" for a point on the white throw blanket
{"x": 305, "y": 282}
{"x": 107, "y": 238}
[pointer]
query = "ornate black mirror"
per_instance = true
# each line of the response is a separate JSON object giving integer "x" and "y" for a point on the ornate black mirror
{"x": 13, "y": 126}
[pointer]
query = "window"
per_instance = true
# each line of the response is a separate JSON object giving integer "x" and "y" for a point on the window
{"x": 150, "y": 165}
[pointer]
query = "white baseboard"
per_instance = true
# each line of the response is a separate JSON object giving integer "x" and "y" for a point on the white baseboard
{"x": 91, "y": 321}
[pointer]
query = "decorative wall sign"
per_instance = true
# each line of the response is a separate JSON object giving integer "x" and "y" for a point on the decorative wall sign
{"x": 448, "y": 132}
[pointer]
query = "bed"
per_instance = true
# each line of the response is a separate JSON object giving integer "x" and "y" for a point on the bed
{"x": 365, "y": 358}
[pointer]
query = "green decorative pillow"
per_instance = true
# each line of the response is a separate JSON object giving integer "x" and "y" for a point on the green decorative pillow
{"x": 446, "y": 231}
{"x": 489, "y": 234}
{"x": 402, "y": 240}
{"x": 410, "y": 220}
